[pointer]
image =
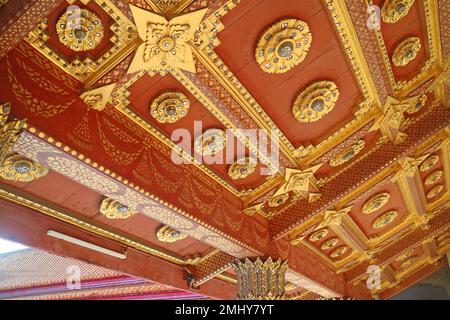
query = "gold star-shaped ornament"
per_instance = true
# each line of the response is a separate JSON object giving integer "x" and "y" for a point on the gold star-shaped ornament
{"x": 165, "y": 44}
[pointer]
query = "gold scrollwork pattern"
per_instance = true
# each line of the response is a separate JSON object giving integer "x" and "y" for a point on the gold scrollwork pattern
{"x": 433, "y": 178}
{"x": 385, "y": 219}
{"x": 394, "y": 10}
{"x": 429, "y": 163}
{"x": 418, "y": 105}
{"x": 169, "y": 235}
{"x": 406, "y": 51}
{"x": 376, "y": 203}
{"x": 433, "y": 193}
{"x": 9, "y": 131}
{"x": 348, "y": 154}
{"x": 115, "y": 210}
{"x": 242, "y": 168}
{"x": 210, "y": 142}
{"x": 408, "y": 263}
{"x": 19, "y": 168}
{"x": 79, "y": 29}
{"x": 170, "y": 107}
{"x": 318, "y": 235}
{"x": 283, "y": 46}
{"x": 315, "y": 101}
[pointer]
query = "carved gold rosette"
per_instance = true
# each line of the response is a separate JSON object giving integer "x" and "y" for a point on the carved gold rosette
{"x": 385, "y": 219}
{"x": 278, "y": 200}
{"x": 418, "y": 105}
{"x": 242, "y": 168}
{"x": 19, "y": 168}
{"x": 283, "y": 46}
{"x": 260, "y": 280}
{"x": 338, "y": 252}
{"x": 330, "y": 243}
{"x": 348, "y": 154}
{"x": 435, "y": 191}
{"x": 210, "y": 142}
{"x": 318, "y": 235}
{"x": 169, "y": 235}
{"x": 429, "y": 163}
{"x": 394, "y": 10}
{"x": 433, "y": 178}
{"x": 170, "y": 107}
{"x": 315, "y": 101}
{"x": 79, "y": 29}
{"x": 113, "y": 209}
{"x": 406, "y": 51}
{"x": 376, "y": 203}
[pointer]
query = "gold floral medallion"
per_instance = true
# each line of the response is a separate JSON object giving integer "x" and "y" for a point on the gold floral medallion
{"x": 433, "y": 178}
{"x": 433, "y": 193}
{"x": 170, "y": 107}
{"x": 338, "y": 252}
{"x": 429, "y": 163}
{"x": 79, "y": 29}
{"x": 210, "y": 142}
{"x": 315, "y": 101}
{"x": 318, "y": 235}
{"x": 330, "y": 243}
{"x": 278, "y": 200}
{"x": 19, "y": 168}
{"x": 242, "y": 168}
{"x": 348, "y": 153}
{"x": 385, "y": 219}
{"x": 283, "y": 46}
{"x": 418, "y": 105}
{"x": 394, "y": 10}
{"x": 376, "y": 202}
{"x": 406, "y": 51}
{"x": 113, "y": 209}
{"x": 169, "y": 235}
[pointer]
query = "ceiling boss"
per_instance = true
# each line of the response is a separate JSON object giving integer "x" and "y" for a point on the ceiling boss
{"x": 165, "y": 44}
{"x": 283, "y": 46}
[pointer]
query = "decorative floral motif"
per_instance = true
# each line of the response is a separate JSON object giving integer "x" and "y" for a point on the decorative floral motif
{"x": 406, "y": 51}
{"x": 435, "y": 191}
{"x": 429, "y": 163}
{"x": 376, "y": 203}
{"x": 315, "y": 101}
{"x": 394, "y": 10}
{"x": 318, "y": 235}
{"x": 76, "y": 171}
{"x": 278, "y": 200}
{"x": 79, "y": 29}
{"x": 19, "y": 168}
{"x": 242, "y": 168}
{"x": 283, "y": 46}
{"x": 433, "y": 178}
{"x": 112, "y": 209}
{"x": 165, "y": 43}
{"x": 338, "y": 252}
{"x": 330, "y": 243}
{"x": 348, "y": 154}
{"x": 385, "y": 219}
{"x": 210, "y": 142}
{"x": 169, "y": 235}
{"x": 418, "y": 105}
{"x": 170, "y": 107}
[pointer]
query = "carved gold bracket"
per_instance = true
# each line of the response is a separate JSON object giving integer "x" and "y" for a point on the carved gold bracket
{"x": 9, "y": 131}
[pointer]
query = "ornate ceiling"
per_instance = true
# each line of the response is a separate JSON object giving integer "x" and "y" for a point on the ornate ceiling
{"x": 114, "y": 113}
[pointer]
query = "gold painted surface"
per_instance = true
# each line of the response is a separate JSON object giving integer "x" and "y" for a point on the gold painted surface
{"x": 348, "y": 154}
{"x": 385, "y": 219}
{"x": 433, "y": 178}
{"x": 242, "y": 168}
{"x": 112, "y": 209}
{"x": 376, "y": 202}
{"x": 395, "y": 10}
{"x": 406, "y": 51}
{"x": 169, "y": 235}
